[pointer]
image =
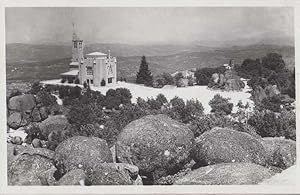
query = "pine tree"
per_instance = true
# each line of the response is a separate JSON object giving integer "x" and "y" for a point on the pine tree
{"x": 144, "y": 75}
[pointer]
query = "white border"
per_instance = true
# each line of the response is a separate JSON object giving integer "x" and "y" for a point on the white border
{"x": 138, "y": 189}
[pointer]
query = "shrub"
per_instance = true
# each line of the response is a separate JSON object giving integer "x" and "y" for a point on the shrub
{"x": 154, "y": 104}
{"x": 35, "y": 88}
{"x": 82, "y": 114}
{"x": 161, "y": 99}
{"x": 116, "y": 97}
{"x": 206, "y": 122}
{"x": 75, "y": 92}
{"x": 203, "y": 75}
{"x": 220, "y": 105}
{"x": 271, "y": 124}
{"x": 143, "y": 104}
{"x": 190, "y": 81}
{"x": 70, "y": 80}
{"x": 77, "y": 81}
{"x": 169, "y": 80}
{"x": 193, "y": 109}
{"x": 63, "y": 80}
{"x": 103, "y": 83}
{"x": 46, "y": 98}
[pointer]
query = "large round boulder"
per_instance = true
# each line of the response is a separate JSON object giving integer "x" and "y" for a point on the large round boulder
{"x": 224, "y": 145}
{"x": 157, "y": 144}
{"x": 55, "y": 123}
{"x": 22, "y": 103}
{"x": 113, "y": 174}
{"x": 14, "y": 120}
{"x": 30, "y": 168}
{"x": 280, "y": 152}
{"x": 73, "y": 177}
{"x": 81, "y": 152}
{"x": 226, "y": 174}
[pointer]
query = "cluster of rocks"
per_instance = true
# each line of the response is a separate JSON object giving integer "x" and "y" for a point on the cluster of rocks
{"x": 229, "y": 81}
{"x": 27, "y": 108}
{"x": 23, "y": 109}
{"x": 153, "y": 150}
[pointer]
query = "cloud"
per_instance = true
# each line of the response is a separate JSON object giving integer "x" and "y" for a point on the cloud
{"x": 148, "y": 25}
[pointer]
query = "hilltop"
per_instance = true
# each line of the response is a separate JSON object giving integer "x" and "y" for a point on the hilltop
{"x": 41, "y": 62}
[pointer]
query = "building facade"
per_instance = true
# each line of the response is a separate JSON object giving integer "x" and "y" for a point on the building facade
{"x": 96, "y": 69}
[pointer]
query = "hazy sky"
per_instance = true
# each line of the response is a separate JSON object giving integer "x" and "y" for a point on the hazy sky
{"x": 148, "y": 25}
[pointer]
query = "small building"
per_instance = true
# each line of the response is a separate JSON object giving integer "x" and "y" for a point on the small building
{"x": 97, "y": 69}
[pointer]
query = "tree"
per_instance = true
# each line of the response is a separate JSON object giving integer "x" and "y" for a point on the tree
{"x": 220, "y": 105}
{"x": 144, "y": 75}
{"x": 168, "y": 79}
{"x": 273, "y": 61}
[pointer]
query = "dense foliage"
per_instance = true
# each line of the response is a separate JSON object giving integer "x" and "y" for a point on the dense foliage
{"x": 203, "y": 75}
{"x": 220, "y": 105}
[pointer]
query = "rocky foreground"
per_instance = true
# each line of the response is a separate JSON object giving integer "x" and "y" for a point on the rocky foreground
{"x": 152, "y": 150}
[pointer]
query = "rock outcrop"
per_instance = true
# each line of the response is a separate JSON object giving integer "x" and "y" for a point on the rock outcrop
{"x": 156, "y": 144}
{"x": 81, "y": 152}
{"x": 224, "y": 145}
{"x": 280, "y": 152}
{"x": 113, "y": 174}
{"x": 31, "y": 167}
{"x": 226, "y": 174}
{"x": 73, "y": 177}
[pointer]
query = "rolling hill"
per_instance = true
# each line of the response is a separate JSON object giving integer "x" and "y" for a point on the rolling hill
{"x": 40, "y": 62}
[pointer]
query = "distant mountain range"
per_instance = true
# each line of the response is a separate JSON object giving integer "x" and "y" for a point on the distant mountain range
{"x": 37, "y": 62}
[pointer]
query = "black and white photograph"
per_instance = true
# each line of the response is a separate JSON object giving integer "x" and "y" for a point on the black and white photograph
{"x": 173, "y": 96}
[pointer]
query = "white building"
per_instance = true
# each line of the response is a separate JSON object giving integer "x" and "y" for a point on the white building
{"x": 97, "y": 69}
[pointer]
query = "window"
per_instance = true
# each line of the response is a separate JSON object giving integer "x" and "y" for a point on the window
{"x": 109, "y": 80}
{"x": 80, "y": 45}
{"x": 75, "y": 44}
{"x": 92, "y": 82}
{"x": 88, "y": 81}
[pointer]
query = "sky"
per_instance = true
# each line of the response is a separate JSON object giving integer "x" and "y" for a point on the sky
{"x": 152, "y": 25}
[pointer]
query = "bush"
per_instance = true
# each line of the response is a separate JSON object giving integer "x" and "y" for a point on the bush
{"x": 114, "y": 98}
{"x": 271, "y": 124}
{"x": 103, "y": 83}
{"x": 169, "y": 80}
{"x": 83, "y": 114}
{"x": 46, "y": 98}
{"x": 77, "y": 81}
{"x": 190, "y": 81}
{"x": 70, "y": 80}
{"x": 203, "y": 75}
{"x": 161, "y": 99}
{"x": 206, "y": 122}
{"x": 63, "y": 80}
{"x": 35, "y": 88}
{"x": 220, "y": 105}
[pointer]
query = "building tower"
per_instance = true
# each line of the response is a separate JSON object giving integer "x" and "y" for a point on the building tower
{"x": 77, "y": 51}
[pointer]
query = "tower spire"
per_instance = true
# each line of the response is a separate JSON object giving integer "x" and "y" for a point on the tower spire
{"x": 75, "y": 37}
